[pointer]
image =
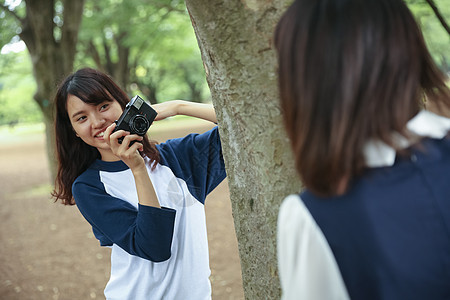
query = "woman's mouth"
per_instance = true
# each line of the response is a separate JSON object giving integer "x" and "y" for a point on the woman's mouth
{"x": 100, "y": 134}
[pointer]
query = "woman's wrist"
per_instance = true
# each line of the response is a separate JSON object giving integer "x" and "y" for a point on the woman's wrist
{"x": 144, "y": 187}
{"x": 180, "y": 106}
{"x": 139, "y": 170}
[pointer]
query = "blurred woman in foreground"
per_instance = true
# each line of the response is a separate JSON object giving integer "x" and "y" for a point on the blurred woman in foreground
{"x": 355, "y": 80}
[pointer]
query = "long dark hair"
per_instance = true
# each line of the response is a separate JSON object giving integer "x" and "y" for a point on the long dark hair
{"x": 75, "y": 156}
{"x": 349, "y": 71}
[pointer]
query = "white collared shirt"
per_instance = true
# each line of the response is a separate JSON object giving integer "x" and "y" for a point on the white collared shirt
{"x": 307, "y": 267}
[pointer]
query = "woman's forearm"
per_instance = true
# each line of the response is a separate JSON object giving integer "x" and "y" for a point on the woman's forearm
{"x": 144, "y": 187}
{"x": 187, "y": 108}
{"x": 198, "y": 110}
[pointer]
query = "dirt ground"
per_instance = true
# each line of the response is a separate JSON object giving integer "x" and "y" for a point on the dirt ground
{"x": 48, "y": 251}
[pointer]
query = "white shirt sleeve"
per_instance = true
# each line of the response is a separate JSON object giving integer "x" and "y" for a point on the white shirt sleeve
{"x": 307, "y": 267}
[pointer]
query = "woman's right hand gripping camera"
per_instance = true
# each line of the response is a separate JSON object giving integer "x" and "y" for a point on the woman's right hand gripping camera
{"x": 128, "y": 154}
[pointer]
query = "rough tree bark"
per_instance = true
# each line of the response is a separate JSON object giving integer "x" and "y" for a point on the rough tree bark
{"x": 52, "y": 58}
{"x": 235, "y": 39}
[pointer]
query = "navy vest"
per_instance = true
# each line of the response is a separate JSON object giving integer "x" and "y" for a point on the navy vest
{"x": 390, "y": 234}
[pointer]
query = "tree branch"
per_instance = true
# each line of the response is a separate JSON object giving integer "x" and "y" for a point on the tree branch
{"x": 11, "y": 12}
{"x": 72, "y": 15}
{"x": 109, "y": 65}
{"x": 170, "y": 8}
{"x": 92, "y": 50}
{"x": 438, "y": 14}
{"x": 144, "y": 46}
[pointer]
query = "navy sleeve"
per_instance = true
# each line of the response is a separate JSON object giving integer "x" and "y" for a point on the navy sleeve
{"x": 146, "y": 232}
{"x": 197, "y": 159}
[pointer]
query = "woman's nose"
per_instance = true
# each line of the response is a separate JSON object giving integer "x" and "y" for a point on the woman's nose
{"x": 98, "y": 122}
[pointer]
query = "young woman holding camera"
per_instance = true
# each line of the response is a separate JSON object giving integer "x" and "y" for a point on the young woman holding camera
{"x": 145, "y": 201}
{"x": 355, "y": 81}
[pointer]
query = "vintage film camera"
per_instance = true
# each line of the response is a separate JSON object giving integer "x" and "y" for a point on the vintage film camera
{"x": 136, "y": 118}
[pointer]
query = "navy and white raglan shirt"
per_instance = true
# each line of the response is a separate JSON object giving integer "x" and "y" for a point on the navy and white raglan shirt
{"x": 388, "y": 237}
{"x": 157, "y": 253}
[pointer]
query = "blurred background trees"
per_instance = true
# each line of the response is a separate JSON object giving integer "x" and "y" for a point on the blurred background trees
{"x": 148, "y": 46}
{"x": 51, "y": 46}
{"x": 434, "y": 18}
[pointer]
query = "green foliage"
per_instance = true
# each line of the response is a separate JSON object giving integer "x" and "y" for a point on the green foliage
{"x": 17, "y": 87}
{"x": 8, "y": 23}
{"x": 157, "y": 42}
{"x": 154, "y": 39}
{"x": 438, "y": 40}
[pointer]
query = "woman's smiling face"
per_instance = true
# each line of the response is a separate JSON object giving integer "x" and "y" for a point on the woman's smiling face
{"x": 90, "y": 121}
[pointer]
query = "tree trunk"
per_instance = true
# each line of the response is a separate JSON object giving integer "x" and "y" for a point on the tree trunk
{"x": 235, "y": 39}
{"x": 51, "y": 59}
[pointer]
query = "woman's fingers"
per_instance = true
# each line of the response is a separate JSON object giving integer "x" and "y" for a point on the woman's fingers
{"x": 132, "y": 149}
{"x": 128, "y": 151}
{"x": 129, "y": 141}
{"x": 107, "y": 133}
{"x": 114, "y": 139}
{"x": 125, "y": 145}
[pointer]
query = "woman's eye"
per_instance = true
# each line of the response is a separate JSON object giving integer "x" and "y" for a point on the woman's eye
{"x": 104, "y": 106}
{"x": 82, "y": 118}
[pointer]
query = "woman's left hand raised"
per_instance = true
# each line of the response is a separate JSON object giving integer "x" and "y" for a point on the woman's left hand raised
{"x": 166, "y": 109}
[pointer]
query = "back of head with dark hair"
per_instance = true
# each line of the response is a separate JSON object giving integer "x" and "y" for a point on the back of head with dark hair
{"x": 349, "y": 71}
{"x": 74, "y": 155}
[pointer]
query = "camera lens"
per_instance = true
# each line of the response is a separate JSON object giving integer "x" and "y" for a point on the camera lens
{"x": 139, "y": 124}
